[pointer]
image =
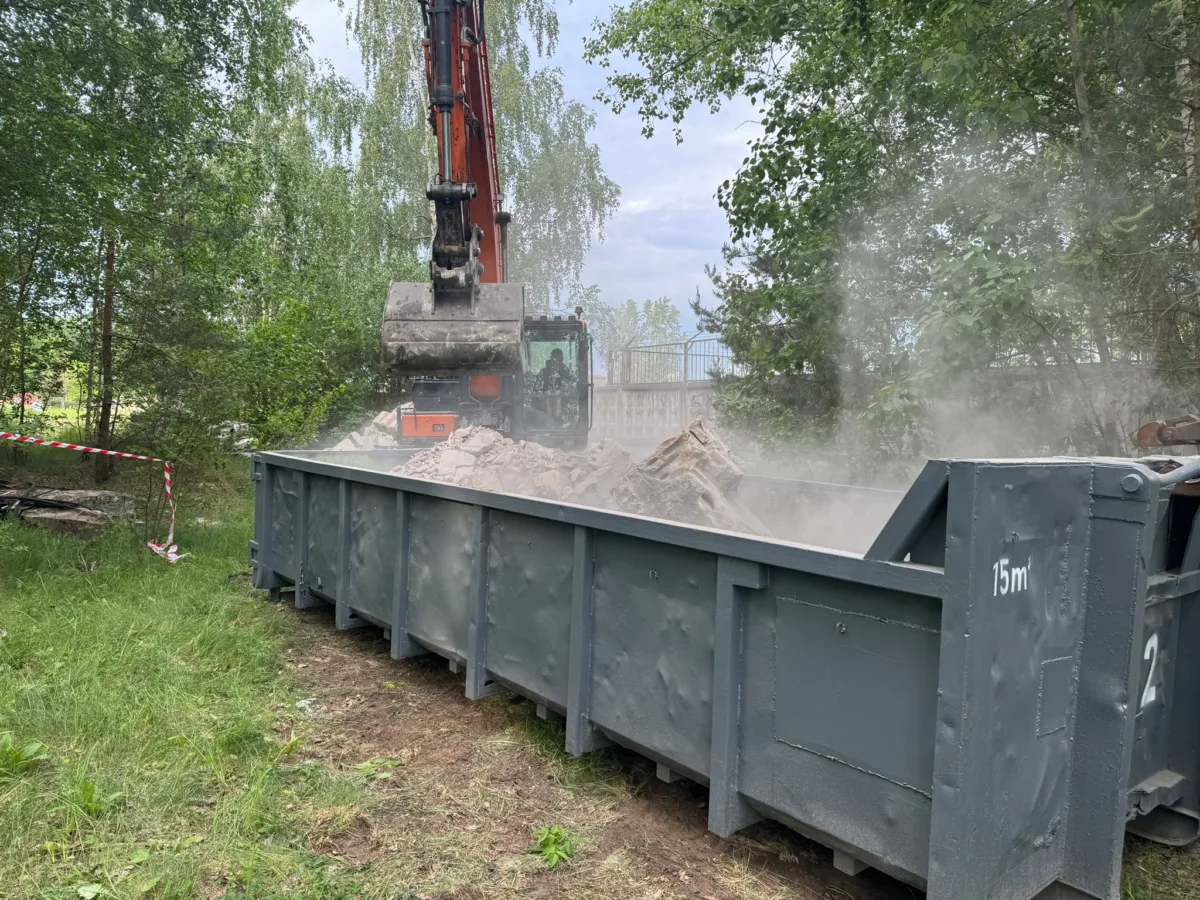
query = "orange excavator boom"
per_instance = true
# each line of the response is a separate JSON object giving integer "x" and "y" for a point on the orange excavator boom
{"x": 466, "y": 319}
{"x": 466, "y": 188}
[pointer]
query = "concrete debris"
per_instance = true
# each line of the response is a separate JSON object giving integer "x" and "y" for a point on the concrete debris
{"x": 483, "y": 459}
{"x": 372, "y": 437}
{"x": 690, "y": 478}
{"x": 84, "y": 513}
{"x": 79, "y": 522}
{"x": 455, "y": 465}
{"x": 387, "y": 422}
{"x": 382, "y": 434}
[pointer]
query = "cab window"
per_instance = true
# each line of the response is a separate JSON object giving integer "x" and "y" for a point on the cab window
{"x": 551, "y": 381}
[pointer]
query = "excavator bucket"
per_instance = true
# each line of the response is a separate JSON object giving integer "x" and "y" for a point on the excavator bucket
{"x": 453, "y": 336}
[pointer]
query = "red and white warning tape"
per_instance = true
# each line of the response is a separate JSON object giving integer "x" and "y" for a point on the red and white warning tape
{"x": 166, "y": 549}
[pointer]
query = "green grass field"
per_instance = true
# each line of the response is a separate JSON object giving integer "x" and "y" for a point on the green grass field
{"x": 148, "y": 719}
{"x": 159, "y": 699}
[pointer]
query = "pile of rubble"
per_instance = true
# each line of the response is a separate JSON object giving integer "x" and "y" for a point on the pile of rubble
{"x": 381, "y": 434}
{"x": 481, "y": 458}
{"x": 691, "y": 477}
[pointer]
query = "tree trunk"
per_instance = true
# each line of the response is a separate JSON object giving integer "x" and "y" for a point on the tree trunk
{"x": 22, "y": 298}
{"x": 104, "y": 429}
{"x": 1109, "y": 437}
{"x": 24, "y": 289}
{"x": 90, "y": 403}
{"x": 1186, "y": 84}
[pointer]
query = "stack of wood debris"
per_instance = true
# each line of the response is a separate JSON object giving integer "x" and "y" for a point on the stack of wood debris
{"x": 79, "y": 512}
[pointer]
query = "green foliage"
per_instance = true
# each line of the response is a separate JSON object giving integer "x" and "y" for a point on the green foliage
{"x": 951, "y": 205}
{"x": 258, "y": 207}
{"x": 613, "y": 327}
{"x": 378, "y": 768}
{"x": 16, "y": 759}
{"x": 86, "y": 799}
{"x": 553, "y": 844}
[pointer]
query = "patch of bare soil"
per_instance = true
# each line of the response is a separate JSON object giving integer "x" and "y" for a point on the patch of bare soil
{"x": 458, "y": 787}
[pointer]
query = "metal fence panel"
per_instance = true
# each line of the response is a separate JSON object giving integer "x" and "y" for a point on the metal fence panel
{"x": 697, "y": 359}
{"x": 979, "y": 728}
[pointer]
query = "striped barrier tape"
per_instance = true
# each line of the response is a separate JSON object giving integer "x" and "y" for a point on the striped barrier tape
{"x": 166, "y": 549}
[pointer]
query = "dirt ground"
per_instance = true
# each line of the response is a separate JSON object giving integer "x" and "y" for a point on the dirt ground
{"x": 453, "y": 819}
{"x": 465, "y": 784}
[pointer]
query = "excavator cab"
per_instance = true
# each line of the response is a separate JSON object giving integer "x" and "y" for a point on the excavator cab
{"x": 556, "y": 378}
{"x": 469, "y": 378}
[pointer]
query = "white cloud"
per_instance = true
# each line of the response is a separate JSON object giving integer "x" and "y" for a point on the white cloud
{"x": 330, "y": 39}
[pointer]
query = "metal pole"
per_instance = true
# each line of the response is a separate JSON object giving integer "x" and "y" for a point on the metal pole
{"x": 683, "y": 391}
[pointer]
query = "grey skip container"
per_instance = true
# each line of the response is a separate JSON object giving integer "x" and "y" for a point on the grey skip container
{"x": 977, "y": 706}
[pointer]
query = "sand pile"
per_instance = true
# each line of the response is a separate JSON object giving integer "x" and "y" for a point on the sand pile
{"x": 481, "y": 458}
{"x": 690, "y": 478}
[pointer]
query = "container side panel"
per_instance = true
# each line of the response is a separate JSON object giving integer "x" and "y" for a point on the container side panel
{"x": 322, "y": 535}
{"x": 654, "y": 607}
{"x": 1001, "y": 832}
{"x": 1121, "y": 534}
{"x": 856, "y": 675}
{"x": 286, "y": 513}
{"x": 1155, "y": 692}
{"x": 441, "y": 561}
{"x": 372, "y": 550}
{"x": 830, "y": 795}
{"x": 530, "y": 562}
{"x": 1185, "y": 704}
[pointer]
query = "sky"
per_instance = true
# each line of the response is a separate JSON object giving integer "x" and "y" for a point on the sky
{"x": 668, "y": 225}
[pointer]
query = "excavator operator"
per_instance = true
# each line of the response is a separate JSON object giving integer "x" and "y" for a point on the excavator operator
{"x": 553, "y": 403}
{"x": 556, "y": 376}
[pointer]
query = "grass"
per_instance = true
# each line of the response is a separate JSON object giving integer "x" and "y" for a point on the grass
{"x": 1154, "y": 872}
{"x": 598, "y": 774}
{"x": 145, "y": 720}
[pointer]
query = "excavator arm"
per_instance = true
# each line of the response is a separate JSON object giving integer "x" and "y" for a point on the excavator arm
{"x": 465, "y": 320}
{"x": 464, "y": 332}
{"x": 468, "y": 246}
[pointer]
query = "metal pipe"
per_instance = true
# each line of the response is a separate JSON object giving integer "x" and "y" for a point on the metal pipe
{"x": 443, "y": 84}
{"x": 443, "y": 81}
{"x": 1186, "y": 472}
{"x": 447, "y": 162}
{"x": 502, "y": 220}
